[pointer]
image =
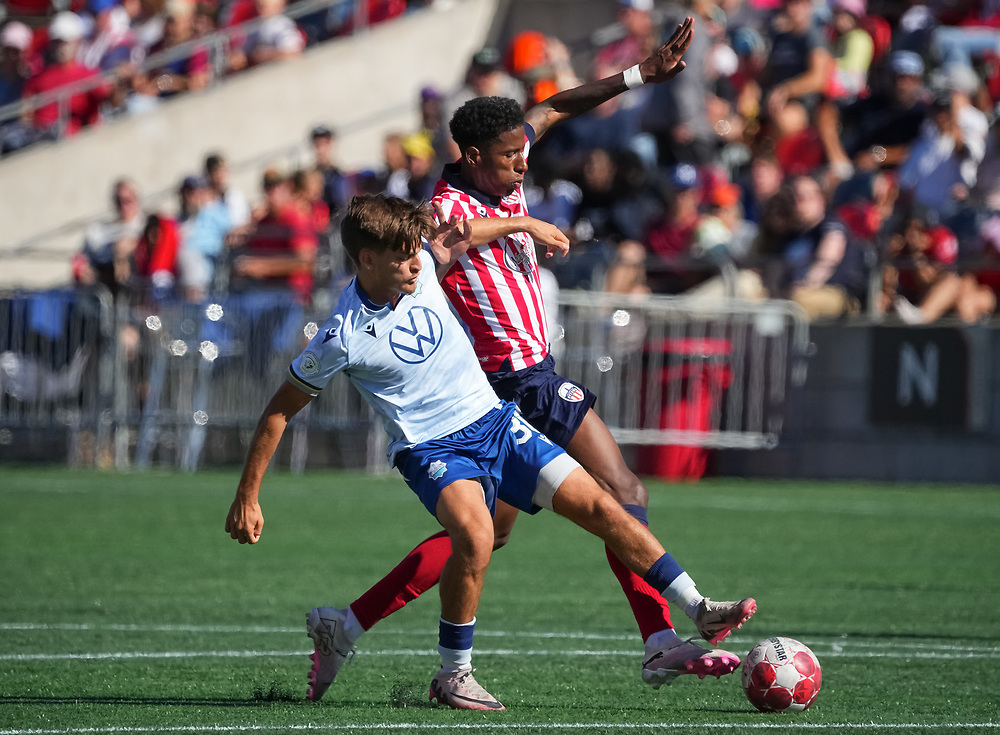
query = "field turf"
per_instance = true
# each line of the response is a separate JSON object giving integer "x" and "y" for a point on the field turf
{"x": 125, "y": 608}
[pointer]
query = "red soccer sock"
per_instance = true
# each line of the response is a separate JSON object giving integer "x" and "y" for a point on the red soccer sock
{"x": 651, "y": 611}
{"x": 413, "y": 576}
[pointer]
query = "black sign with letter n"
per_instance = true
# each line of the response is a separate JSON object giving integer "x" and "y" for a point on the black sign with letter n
{"x": 919, "y": 377}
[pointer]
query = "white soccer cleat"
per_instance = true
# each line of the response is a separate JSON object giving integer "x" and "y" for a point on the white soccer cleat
{"x": 664, "y": 664}
{"x": 460, "y": 690}
{"x": 325, "y": 625}
{"x": 716, "y": 620}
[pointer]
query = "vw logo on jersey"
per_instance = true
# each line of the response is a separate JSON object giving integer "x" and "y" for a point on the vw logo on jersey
{"x": 517, "y": 252}
{"x": 417, "y": 335}
{"x": 571, "y": 393}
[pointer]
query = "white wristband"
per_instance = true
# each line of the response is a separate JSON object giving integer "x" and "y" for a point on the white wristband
{"x": 633, "y": 77}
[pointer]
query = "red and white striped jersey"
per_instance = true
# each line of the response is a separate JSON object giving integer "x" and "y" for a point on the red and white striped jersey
{"x": 495, "y": 288}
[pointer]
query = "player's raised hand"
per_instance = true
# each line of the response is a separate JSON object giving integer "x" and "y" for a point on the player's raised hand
{"x": 547, "y": 234}
{"x": 245, "y": 522}
{"x": 665, "y": 63}
{"x": 452, "y": 238}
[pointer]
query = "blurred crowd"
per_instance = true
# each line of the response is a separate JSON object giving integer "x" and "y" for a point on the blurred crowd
{"x": 840, "y": 153}
{"x": 125, "y": 56}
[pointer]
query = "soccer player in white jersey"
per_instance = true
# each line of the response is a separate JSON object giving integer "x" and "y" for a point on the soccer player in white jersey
{"x": 495, "y": 289}
{"x": 461, "y": 449}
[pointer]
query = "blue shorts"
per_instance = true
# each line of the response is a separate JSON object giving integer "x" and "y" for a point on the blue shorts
{"x": 551, "y": 403}
{"x": 513, "y": 462}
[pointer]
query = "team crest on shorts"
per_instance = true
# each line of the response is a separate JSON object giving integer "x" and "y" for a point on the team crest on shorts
{"x": 309, "y": 364}
{"x": 437, "y": 469}
{"x": 571, "y": 393}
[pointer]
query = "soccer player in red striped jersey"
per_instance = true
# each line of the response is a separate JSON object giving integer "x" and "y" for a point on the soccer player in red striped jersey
{"x": 494, "y": 287}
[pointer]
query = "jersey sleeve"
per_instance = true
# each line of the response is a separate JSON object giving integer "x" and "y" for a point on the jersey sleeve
{"x": 325, "y": 354}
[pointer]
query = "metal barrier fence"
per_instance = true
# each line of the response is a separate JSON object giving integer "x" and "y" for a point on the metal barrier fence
{"x": 135, "y": 384}
{"x": 678, "y": 371}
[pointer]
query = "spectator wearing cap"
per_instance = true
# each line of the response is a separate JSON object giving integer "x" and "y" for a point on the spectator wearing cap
{"x": 945, "y": 158}
{"x": 15, "y": 40}
{"x": 279, "y": 251}
{"x": 336, "y": 185}
{"x": 876, "y": 131}
{"x": 65, "y": 34}
{"x": 919, "y": 282}
{"x": 422, "y": 174}
{"x": 485, "y": 77}
{"x": 204, "y": 223}
{"x": 796, "y": 72}
{"x": 724, "y": 238}
{"x": 111, "y": 42}
{"x": 217, "y": 176}
{"x": 671, "y": 236}
{"x": 541, "y": 64}
{"x": 192, "y": 71}
{"x": 433, "y": 125}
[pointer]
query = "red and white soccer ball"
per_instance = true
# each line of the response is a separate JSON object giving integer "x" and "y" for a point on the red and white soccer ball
{"x": 781, "y": 675}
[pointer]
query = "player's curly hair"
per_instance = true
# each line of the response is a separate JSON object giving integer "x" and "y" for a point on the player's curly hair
{"x": 380, "y": 223}
{"x": 482, "y": 120}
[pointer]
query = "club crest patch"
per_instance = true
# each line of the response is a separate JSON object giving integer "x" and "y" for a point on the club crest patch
{"x": 309, "y": 364}
{"x": 437, "y": 469}
{"x": 571, "y": 393}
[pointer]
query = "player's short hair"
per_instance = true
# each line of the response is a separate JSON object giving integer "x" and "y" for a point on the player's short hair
{"x": 379, "y": 222}
{"x": 482, "y": 120}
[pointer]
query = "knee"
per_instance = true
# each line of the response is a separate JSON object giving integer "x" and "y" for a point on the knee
{"x": 628, "y": 490}
{"x": 472, "y": 544}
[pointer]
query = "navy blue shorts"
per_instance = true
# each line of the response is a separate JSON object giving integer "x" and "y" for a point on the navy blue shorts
{"x": 551, "y": 403}
{"x": 512, "y": 461}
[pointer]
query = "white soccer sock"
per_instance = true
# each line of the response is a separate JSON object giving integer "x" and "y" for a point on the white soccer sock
{"x": 352, "y": 628}
{"x": 683, "y": 593}
{"x": 662, "y": 638}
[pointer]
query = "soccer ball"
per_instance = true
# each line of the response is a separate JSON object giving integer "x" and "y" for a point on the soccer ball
{"x": 781, "y": 675}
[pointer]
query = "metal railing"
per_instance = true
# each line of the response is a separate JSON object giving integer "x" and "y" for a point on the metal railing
{"x": 680, "y": 371}
{"x": 134, "y": 384}
{"x": 218, "y": 44}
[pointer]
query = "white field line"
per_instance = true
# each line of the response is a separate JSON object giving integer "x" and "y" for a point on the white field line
{"x": 430, "y": 651}
{"x": 517, "y": 726}
{"x": 831, "y": 645}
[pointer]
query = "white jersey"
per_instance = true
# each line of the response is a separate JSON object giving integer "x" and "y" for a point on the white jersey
{"x": 413, "y": 362}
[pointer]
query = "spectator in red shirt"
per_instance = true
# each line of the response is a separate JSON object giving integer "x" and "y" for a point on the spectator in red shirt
{"x": 280, "y": 250}
{"x": 65, "y": 34}
{"x": 671, "y": 237}
{"x": 919, "y": 281}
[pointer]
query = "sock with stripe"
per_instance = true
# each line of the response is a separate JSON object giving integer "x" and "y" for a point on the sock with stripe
{"x": 455, "y": 645}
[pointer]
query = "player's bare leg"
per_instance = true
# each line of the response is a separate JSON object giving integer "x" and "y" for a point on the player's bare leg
{"x": 464, "y": 515}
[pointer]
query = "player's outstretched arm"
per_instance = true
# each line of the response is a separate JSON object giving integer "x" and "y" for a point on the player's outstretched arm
{"x": 488, "y": 229}
{"x": 664, "y": 64}
{"x": 245, "y": 521}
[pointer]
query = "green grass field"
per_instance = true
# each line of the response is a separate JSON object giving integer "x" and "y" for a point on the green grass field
{"x": 125, "y": 608}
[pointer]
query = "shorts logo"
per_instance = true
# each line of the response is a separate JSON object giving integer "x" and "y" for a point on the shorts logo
{"x": 309, "y": 364}
{"x": 437, "y": 469}
{"x": 417, "y": 335}
{"x": 571, "y": 393}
